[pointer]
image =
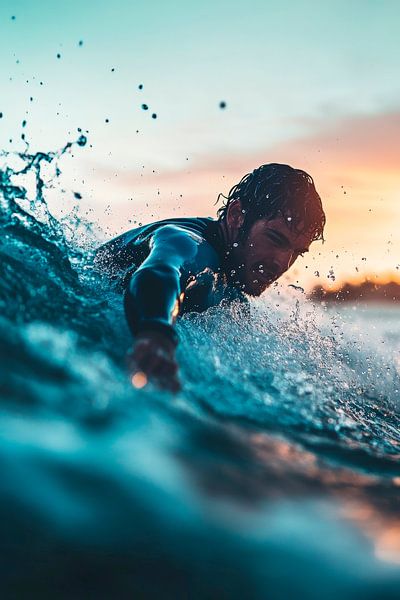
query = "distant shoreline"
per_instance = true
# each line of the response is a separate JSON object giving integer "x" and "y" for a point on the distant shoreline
{"x": 366, "y": 292}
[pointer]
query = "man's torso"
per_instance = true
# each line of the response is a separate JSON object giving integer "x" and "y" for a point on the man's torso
{"x": 203, "y": 279}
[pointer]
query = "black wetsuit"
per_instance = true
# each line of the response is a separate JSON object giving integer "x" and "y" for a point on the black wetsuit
{"x": 168, "y": 268}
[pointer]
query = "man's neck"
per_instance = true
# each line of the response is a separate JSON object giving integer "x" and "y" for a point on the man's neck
{"x": 226, "y": 241}
{"x": 224, "y": 236}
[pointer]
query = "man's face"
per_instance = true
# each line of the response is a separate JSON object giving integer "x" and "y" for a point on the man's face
{"x": 268, "y": 251}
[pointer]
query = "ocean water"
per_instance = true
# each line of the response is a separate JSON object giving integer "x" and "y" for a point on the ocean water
{"x": 274, "y": 473}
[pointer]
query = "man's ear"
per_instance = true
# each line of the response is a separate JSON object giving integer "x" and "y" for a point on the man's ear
{"x": 234, "y": 216}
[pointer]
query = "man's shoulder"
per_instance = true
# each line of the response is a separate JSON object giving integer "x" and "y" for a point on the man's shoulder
{"x": 134, "y": 245}
{"x": 202, "y": 226}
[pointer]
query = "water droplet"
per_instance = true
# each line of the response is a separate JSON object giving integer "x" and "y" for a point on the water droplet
{"x": 331, "y": 275}
{"x": 235, "y": 244}
{"x": 82, "y": 140}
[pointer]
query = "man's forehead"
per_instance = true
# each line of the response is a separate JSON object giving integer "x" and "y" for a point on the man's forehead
{"x": 293, "y": 232}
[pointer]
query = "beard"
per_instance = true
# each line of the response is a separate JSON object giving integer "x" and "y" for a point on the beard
{"x": 250, "y": 274}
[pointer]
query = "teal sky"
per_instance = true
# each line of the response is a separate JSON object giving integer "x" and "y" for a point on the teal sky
{"x": 306, "y": 82}
{"x": 281, "y": 67}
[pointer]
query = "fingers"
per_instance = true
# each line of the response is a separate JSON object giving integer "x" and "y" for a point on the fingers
{"x": 157, "y": 366}
{"x": 147, "y": 363}
{"x": 171, "y": 384}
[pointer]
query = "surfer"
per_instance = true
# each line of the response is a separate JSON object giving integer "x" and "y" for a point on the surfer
{"x": 173, "y": 266}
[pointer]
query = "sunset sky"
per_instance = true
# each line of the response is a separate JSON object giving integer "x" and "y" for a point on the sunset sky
{"x": 312, "y": 84}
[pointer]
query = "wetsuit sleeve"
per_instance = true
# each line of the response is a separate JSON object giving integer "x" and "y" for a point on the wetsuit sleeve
{"x": 152, "y": 297}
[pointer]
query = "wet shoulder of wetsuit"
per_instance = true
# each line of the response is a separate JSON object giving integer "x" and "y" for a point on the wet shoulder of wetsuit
{"x": 125, "y": 253}
{"x": 167, "y": 268}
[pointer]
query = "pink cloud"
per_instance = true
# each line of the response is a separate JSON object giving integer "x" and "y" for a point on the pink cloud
{"x": 357, "y": 155}
{"x": 342, "y": 148}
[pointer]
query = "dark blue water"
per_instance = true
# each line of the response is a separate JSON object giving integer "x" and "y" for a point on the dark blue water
{"x": 273, "y": 474}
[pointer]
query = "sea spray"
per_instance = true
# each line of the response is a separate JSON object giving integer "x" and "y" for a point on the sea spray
{"x": 296, "y": 370}
{"x": 280, "y": 455}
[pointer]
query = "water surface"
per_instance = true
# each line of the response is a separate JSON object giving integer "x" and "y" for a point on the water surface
{"x": 273, "y": 474}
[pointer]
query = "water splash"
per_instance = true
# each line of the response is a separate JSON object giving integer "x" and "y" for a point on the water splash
{"x": 294, "y": 407}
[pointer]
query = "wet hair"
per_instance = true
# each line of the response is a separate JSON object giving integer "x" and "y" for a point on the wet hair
{"x": 275, "y": 190}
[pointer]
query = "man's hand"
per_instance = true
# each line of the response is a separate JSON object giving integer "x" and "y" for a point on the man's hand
{"x": 152, "y": 358}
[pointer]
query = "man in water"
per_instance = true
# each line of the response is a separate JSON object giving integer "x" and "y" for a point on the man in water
{"x": 269, "y": 219}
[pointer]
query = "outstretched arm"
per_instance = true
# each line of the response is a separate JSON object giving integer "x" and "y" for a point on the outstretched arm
{"x": 152, "y": 302}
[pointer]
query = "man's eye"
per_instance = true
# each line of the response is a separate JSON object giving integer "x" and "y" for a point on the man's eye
{"x": 275, "y": 240}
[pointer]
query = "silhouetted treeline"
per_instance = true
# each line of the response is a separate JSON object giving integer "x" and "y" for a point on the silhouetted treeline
{"x": 367, "y": 291}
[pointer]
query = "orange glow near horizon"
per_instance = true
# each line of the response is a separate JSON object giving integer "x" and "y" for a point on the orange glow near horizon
{"x": 354, "y": 163}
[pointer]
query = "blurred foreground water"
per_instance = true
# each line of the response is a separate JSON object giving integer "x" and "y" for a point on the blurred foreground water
{"x": 273, "y": 474}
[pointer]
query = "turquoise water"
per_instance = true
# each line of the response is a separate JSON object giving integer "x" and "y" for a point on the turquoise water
{"x": 273, "y": 474}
